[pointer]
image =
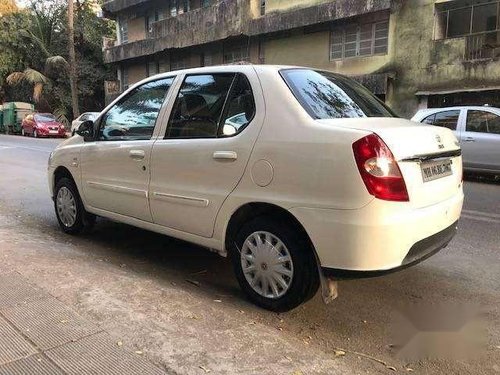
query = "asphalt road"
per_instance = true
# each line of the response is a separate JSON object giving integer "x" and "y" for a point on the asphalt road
{"x": 180, "y": 305}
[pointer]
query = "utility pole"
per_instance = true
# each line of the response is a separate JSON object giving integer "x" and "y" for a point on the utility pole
{"x": 73, "y": 77}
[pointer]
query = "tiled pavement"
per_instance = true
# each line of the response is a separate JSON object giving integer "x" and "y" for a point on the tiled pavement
{"x": 40, "y": 335}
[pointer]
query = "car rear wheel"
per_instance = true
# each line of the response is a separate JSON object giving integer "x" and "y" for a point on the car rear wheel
{"x": 274, "y": 264}
{"x": 68, "y": 205}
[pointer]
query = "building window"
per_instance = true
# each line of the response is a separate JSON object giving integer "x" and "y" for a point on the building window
{"x": 152, "y": 68}
{"x": 179, "y": 6}
{"x": 234, "y": 55}
{"x": 206, "y": 3}
{"x": 179, "y": 62}
{"x": 163, "y": 65}
{"x": 360, "y": 40}
{"x": 153, "y": 17}
{"x": 262, "y": 7}
{"x": 123, "y": 26}
{"x": 454, "y": 21}
{"x": 206, "y": 59}
{"x": 262, "y": 52}
{"x": 124, "y": 78}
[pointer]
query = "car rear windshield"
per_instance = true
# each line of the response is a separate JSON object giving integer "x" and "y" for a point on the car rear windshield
{"x": 327, "y": 95}
{"x": 45, "y": 118}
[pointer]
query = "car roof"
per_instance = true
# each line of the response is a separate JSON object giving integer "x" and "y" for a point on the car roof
{"x": 220, "y": 69}
{"x": 429, "y": 111}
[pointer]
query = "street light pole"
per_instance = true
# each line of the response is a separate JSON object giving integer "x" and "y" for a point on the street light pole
{"x": 73, "y": 77}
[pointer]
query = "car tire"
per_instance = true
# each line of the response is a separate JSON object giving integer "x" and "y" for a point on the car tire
{"x": 70, "y": 212}
{"x": 290, "y": 292}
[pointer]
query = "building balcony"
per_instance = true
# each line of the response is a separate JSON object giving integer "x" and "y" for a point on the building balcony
{"x": 485, "y": 46}
{"x": 233, "y": 18}
{"x": 114, "y": 6}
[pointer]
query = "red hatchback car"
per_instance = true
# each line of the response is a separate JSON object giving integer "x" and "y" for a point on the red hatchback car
{"x": 42, "y": 125}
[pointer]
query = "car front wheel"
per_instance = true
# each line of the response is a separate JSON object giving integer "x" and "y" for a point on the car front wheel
{"x": 274, "y": 264}
{"x": 69, "y": 208}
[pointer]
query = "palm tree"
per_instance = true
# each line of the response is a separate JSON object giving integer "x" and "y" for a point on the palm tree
{"x": 36, "y": 78}
{"x": 46, "y": 18}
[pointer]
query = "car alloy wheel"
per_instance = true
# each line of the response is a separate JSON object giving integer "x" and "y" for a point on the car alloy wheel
{"x": 66, "y": 207}
{"x": 267, "y": 264}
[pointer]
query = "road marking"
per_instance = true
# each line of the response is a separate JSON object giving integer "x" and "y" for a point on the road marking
{"x": 481, "y": 213}
{"x": 480, "y": 218}
{"x": 27, "y": 148}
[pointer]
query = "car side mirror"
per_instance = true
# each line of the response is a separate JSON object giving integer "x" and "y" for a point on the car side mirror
{"x": 86, "y": 130}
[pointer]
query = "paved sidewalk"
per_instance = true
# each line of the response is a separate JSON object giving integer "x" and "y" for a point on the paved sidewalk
{"x": 41, "y": 335}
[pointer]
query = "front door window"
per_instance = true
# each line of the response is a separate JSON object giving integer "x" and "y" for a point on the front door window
{"x": 134, "y": 117}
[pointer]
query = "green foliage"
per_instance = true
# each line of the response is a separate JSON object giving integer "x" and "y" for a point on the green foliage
{"x": 33, "y": 44}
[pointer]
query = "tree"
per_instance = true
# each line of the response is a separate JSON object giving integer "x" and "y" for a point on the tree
{"x": 36, "y": 38}
{"x": 73, "y": 77}
{"x": 7, "y": 7}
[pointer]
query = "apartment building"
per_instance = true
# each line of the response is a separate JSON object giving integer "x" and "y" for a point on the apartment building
{"x": 410, "y": 53}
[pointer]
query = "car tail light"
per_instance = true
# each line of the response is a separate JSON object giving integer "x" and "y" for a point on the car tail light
{"x": 379, "y": 170}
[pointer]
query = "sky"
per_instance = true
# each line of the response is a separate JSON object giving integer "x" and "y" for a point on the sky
{"x": 21, "y": 3}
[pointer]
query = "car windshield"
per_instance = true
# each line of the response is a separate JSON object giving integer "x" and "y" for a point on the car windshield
{"x": 326, "y": 95}
{"x": 45, "y": 118}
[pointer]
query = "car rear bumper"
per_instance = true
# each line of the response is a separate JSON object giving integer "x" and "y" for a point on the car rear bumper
{"x": 382, "y": 236}
{"x": 419, "y": 252}
{"x": 46, "y": 133}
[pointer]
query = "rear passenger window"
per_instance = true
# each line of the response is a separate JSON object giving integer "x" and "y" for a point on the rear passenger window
{"x": 240, "y": 108}
{"x": 446, "y": 119}
{"x": 429, "y": 119}
{"x": 482, "y": 122}
{"x": 198, "y": 107}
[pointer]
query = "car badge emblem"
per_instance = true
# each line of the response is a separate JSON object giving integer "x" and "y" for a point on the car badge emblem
{"x": 439, "y": 141}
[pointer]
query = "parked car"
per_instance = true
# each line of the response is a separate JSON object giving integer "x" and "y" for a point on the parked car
{"x": 83, "y": 117}
{"x": 319, "y": 179}
{"x": 42, "y": 125}
{"x": 478, "y": 130}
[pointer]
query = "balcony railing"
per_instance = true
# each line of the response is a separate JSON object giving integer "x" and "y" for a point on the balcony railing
{"x": 483, "y": 46}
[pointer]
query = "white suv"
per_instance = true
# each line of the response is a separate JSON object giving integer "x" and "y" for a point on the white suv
{"x": 295, "y": 174}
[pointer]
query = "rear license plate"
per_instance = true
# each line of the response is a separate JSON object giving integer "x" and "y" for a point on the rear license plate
{"x": 436, "y": 169}
{"x": 53, "y": 132}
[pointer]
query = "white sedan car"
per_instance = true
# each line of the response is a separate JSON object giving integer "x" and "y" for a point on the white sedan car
{"x": 298, "y": 175}
{"x": 82, "y": 118}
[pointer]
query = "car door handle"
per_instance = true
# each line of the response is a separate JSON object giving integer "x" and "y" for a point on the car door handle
{"x": 469, "y": 139}
{"x": 225, "y": 155}
{"x": 137, "y": 154}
